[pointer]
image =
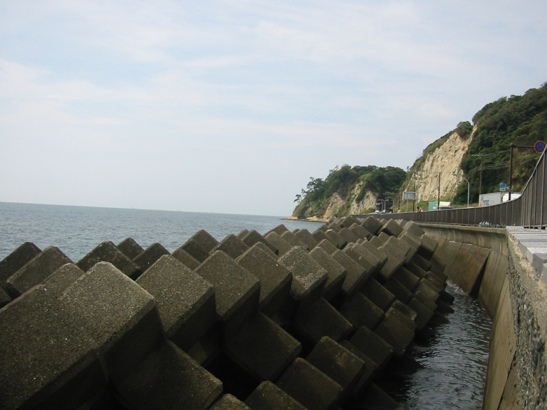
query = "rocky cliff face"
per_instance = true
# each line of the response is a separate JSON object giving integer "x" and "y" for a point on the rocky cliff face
{"x": 336, "y": 204}
{"x": 438, "y": 173}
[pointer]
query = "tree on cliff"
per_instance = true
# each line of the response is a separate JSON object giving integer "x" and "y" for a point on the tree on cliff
{"x": 342, "y": 181}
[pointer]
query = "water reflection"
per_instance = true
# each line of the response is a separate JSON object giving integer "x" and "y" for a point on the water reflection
{"x": 451, "y": 361}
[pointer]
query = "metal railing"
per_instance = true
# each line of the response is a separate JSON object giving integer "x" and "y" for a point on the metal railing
{"x": 529, "y": 210}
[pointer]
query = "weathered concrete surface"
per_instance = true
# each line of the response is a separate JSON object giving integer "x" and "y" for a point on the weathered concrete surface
{"x": 234, "y": 324}
{"x": 513, "y": 290}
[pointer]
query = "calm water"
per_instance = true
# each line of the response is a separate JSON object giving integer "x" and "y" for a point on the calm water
{"x": 453, "y": 361}
{"x": 77, "y": 230}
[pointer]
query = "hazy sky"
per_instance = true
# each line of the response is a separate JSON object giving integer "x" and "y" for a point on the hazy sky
{"x": 231, "y": 106}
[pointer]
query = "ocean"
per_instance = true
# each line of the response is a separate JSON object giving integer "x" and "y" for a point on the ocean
{"x": 77, "y": 230}
{"x": 452, "y": 364}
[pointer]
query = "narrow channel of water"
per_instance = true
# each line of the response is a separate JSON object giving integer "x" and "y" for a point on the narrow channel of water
{"x": 451, "y": 362}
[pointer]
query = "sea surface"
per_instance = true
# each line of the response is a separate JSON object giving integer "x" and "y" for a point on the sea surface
{"x": 77, "y": 230}
{"x": 452, "y": 362}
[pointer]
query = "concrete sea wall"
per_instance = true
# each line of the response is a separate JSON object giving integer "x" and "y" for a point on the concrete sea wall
{"x": 506, "y": 269}
{"x": 285, "y": 320}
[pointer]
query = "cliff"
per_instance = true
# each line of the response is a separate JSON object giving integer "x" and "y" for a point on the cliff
{"x": 474, "y": 156}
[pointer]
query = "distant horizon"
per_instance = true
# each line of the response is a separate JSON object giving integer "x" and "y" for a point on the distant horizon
{"x": 141, "y": 209}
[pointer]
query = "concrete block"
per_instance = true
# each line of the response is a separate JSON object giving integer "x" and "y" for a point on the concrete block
{"x": 47, "y": 361}
{"x": 360, "y": 311}
{"x": 401, "y": 247}
{"x": 360, "y": 231}
{"x": 305, "y": 236}
{"x": 355, "y": 276}
{"x": 361, "y": 260}
{"x": 378, "y": 253}
{"x": 424, "y": 314}
{"x": 309, "y": 278}
{"x": 320, "y": 235}
{"x": 425, "y": 300}
{"x": 394, "y": 261}
{"x": 321, "y": 319}
{"x": 236, "y": 290}
{"x": 118, "y": 315}
{"x": 429, "y": 245}
{"x": 338, "y": 363}
{"x": 412, "y": 243}
{"x": 347, "y": 221}
{"x": 406, "y": 278}
{"x": 309, "y": 386}
{"x": 394, "y": 332}
{"x": 408, "y": 312}
{"x": 63, "y": 277}
{"x": 275, "y": 280}
{"x": 229, "y": 402}
{"x": 262, "y": 348}
{"x": 379, "y": 240}
{"x": 425, "y": 287}
{"x": 5, "y": 298}
{"x": 392, "y": 228}
{"x": 185, "y": 258}
{"x": 376, "y": 398}
{"x": 253, "y": 237}
{"x": 205, "y": 240}
{"x": 402, "y": 317}
{"x": 419, "y": 260}
{"x": 371, "y": 224}
{"x": 400, "y": 292}
{"x": 17, "y": 259}
{"x": 169, "y": 379}
{"x": 231, "y": 246}
{"x": 372, "y": 346}
{"x": 375, "y": 259}
{"x": 278, "y": 243}
{"x": 195, "y": 250}
{"x": 279, "y": 229}
{"x": 242, "y": 233}
{"x": 327, "y": 246}
{"x": 336, "y": 239}
{"x": 150, "y": 255}
{"x": 267, "y": 396}
{"x": 378, "y": 294}
{"x": 36, "y": 271}
{"x": 348, "y": 235}
{"x": 413, "y": 229}
{"x": 130, "y": 248}
{"x": 186, "y": 301}
{"x": 107, "y": 252}
{"x": 294, "y": 241}
{"x": 369, "y": 374}
{"x": 336, "y": 272}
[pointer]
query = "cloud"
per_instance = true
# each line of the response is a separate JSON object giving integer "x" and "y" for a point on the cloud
{"x": 242, "y": 93}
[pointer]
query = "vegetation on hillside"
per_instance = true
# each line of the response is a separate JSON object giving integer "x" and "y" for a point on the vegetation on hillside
{"x": 378, "y": 180}
{"x": 518, "y": 120}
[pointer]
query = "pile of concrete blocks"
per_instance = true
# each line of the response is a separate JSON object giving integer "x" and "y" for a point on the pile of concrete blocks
{"x": 284, "y": 320}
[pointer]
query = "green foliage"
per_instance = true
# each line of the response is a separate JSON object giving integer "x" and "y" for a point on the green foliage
{"x": 519, "y": 120}
{"x": 342, "y": 181}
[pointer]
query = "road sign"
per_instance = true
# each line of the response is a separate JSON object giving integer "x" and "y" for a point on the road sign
{"x": 539, "y": 146}
{"x": 503, "y": 186}
{"x": 409, "y": 196}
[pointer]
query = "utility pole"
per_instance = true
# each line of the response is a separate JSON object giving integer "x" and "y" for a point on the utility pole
{"x": 439, "y": 193}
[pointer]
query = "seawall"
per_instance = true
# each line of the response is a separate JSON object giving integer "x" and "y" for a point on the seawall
{"x": 282, "y": 320}
{"x": 505, "y": 269}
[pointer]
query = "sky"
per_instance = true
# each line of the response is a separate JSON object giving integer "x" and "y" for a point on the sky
{"x": 231, "y": 106}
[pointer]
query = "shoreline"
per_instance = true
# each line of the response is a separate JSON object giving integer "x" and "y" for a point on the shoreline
{"x": 311, "y": 219}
